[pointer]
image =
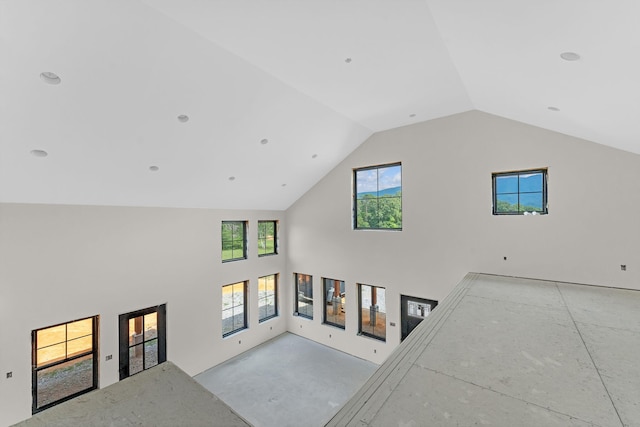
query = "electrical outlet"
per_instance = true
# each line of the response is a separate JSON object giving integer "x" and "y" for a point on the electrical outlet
{"x": 505, "y": 258}
{"x": 374, "y": 350}
{"x": 623, "y": 267}
{"x": 9, "y": 374}
{"x": 239, "y": 341}
{"x": 108, "y": 357}
{"x": 392, "y": 323}
{"x": 329, "y": 335}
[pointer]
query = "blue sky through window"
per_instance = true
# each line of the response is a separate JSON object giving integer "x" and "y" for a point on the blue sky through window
{"x": 375, "y": 181}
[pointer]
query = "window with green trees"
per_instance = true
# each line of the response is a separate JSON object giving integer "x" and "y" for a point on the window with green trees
{"x": 267, "y": 238}
{"x": 520, "y": 192}
{"x": 234, "y": 240}
{"x": 378, "y": 197}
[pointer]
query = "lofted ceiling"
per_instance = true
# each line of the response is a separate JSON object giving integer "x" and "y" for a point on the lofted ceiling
{"x": 279, "y": 92}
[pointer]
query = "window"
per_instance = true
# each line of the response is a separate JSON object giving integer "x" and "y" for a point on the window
{"x": 334, "y": 302}
{"x": 304, "y": 295}
{"x": 65, "y": 362}
{"x": 267, "y": 238}
{"x": 234, "y": 238}
{"x": 267, "y": 297}
{"x": 234, "y": 315}
{"x": 520, "y": 193}
{"x": 143, "y": 342}
{"x": 373, "y": 313}
{"x": 378, "y": 197}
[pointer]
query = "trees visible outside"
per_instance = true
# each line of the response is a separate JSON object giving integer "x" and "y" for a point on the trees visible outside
{"x": 378, "y": 202}
{"x": 233, "y": 240}
{"x": 267, "y": 238}
{"x": 519, "y": 192}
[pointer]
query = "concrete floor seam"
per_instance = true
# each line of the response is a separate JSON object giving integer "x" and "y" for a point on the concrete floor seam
{"x": 622, "y": 424}
{"x": 508, "y": 396}
{"x": 633, "y": 331}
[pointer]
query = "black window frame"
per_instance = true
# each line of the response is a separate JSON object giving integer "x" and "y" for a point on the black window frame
{"x": 275, "y": 238}
{"x": 245, "y": 309}
{"x": 234, "y": 238}
{"x": 325, "y": 301}
{"x": 124, "y": 346}
{"x": 308, "y": 285}
{"x": 275, "y": 297}
{"x": 355, "y": 196}
{"x": 361, "y": 330}
{"x": 35, "y": 408}
{"x": 545, "y": 178}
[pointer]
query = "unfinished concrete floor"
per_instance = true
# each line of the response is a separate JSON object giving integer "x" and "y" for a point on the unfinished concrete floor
{"x": 162, "y": 396}
{"x": 512, "y": 352}
{"x": 288, "y": 381}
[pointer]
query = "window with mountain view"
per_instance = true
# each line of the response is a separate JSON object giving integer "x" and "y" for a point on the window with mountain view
{"x": 520, "y": 192}
{"x": 378, "y": 197}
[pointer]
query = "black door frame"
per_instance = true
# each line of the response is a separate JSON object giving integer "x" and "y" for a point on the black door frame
{"x": 123, "y": 320}
{"x": 405, "y": 327}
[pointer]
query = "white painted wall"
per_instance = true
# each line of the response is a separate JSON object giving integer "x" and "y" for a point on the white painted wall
{"x": 593, "y": 225}
{"x": 60, "y": 263}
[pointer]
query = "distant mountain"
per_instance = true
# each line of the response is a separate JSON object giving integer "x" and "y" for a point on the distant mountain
{"x": 386, "y": 192}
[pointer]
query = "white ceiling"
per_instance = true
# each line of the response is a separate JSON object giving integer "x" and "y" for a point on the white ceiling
{"x": 245, "y": 70}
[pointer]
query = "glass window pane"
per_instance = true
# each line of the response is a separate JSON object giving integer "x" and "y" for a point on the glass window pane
{"x": 79, "y": 346}
{"x": 79, "y": 329}
{"x": 507, "y": 184}
{"x": 530, "y": 202}
{"x": 530, "y": 182}
{"x": 150, "y": 326}
{"x": 373, "y": 318}
{"x": 63, "y": 380}
{"x": 390, "y": 181}
{"x": 367, "y": 211}
{"x": 507, "y": 203}
{"x": 49, "y": 336}
{"x": 136, "y": 362}
{"x": 51, "y": 354}
{"x": 390, "y": 212}
{"x": 135, "y": 330}
{"x": 366, "y": 183}
{"x": 150, "y": 353}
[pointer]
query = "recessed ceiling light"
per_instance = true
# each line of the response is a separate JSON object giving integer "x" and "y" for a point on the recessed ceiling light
{"x": 182, "y": 118}
{"x": 264, "y": 141}
{"x": 232, "y": 178}
{"x": 51, "y": 78}
{"x": 412, "y": 115}
{"x": 553, "y": 108}
{"x": 314, "y": 156}
{"x": 154, "y": 168}
{"x": 348, "y": 60}
{"x": 39, "y": 153}
{"x": 569, "y": 56}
